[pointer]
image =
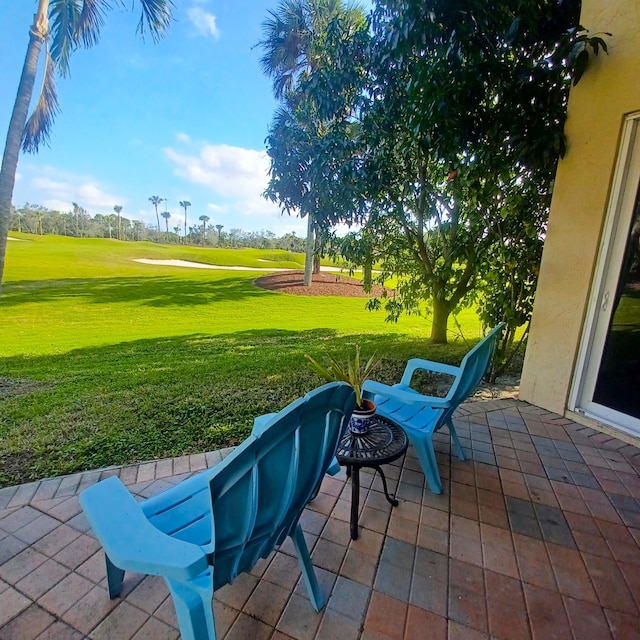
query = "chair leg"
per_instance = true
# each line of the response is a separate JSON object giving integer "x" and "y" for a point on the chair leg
{"x": 427, "y": 458}
{"x": 115, "y": 576}
{"x": 308, "y": 572}
{"x": 194, "y": 609}
{"x": 455, "y": 439}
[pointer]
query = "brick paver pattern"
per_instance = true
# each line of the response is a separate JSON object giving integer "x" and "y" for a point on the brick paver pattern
{"x": 536, "y": 536}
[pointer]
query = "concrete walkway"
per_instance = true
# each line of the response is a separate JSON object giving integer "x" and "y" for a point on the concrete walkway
{"x": 537, "y": 535}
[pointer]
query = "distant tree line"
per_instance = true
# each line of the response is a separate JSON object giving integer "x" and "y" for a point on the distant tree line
{"x": 79, "y": 223}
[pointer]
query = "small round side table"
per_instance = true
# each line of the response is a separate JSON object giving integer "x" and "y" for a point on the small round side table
{"x": 383, "y": 443}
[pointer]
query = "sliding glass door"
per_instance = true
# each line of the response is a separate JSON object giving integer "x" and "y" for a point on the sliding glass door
{"x": 608, "y": 371}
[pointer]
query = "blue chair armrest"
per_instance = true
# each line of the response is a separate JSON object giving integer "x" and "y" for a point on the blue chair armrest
{"x": 261, "y": 423}
{"x": 416, "y": 364}
{"x": 130, "y": 541}
{"x": 397, "y": 392}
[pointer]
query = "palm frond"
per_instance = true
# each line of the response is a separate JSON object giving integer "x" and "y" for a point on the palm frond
{"x": 90, "y": 22}
{"x": 351, "y": 371}
{"x": 38, "y": 127}
{"x": 155, "y": 17}
{"x": 286, "y": 40}
{"x": 63, "y": 20}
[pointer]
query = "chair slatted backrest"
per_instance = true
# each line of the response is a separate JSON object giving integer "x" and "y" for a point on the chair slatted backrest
{"x": 472, "y": 368}
{"x": 259, "y": 491}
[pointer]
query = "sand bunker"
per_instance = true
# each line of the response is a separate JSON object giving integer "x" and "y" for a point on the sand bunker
{"x": 200, "y": 265}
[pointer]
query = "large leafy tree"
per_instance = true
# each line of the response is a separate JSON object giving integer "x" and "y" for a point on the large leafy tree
{"x": 59, "y": 28}
{"x": 463, "y": 132}
{"x": 312, "y": 162}
{"x": 306, "y": 44}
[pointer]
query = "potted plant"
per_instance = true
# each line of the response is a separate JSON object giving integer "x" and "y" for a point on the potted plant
{"x": 353, "y": 372}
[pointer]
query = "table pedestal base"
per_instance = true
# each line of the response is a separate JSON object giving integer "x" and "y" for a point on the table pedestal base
{"x": 353, "y": 472}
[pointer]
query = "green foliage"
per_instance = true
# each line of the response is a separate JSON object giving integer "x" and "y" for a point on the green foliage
{"x": 507, "y": 287}
{"x": 463, "y": 129}
{"x": 353, "y": 371}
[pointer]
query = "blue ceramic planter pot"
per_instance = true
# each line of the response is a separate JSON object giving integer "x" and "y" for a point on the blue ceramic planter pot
{"x": 361, "y": 418}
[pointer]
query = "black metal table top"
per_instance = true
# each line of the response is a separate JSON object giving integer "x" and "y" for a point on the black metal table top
{"x": 384, "y": 442}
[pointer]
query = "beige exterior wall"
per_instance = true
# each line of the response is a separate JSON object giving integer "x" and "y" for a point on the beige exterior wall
{"x": 609, "y": 90}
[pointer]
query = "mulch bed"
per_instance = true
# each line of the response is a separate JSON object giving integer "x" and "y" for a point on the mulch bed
{"x": 322, "y": 284}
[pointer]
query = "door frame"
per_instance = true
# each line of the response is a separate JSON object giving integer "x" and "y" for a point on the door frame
{"x": 610, "y": 254}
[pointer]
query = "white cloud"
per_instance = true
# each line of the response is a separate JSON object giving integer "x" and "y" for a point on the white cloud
{"x": 258, "y": 206}
{"x": 229, "y": 171}
{"x": 59, "y": 192}
{"x": 183, "y": 137}
{"x": 237, "y": 178}
{"x": 204, "y": 22}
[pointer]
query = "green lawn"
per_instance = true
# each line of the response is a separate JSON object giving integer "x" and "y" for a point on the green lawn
{"x": 104, "y": 360}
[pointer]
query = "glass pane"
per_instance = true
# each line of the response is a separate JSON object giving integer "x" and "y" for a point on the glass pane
{"x": 618, "y": 383}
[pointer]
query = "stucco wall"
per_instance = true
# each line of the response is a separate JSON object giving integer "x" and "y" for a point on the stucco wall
{"x": 609, "y": 90}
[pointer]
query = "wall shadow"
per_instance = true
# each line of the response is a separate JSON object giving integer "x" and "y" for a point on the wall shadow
{"x": 160, "y": 397}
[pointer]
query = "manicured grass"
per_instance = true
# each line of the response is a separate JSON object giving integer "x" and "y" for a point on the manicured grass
{"x": 107, "y": 361}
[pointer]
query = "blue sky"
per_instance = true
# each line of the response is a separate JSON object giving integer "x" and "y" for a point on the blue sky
{"x": 184, "y": 119}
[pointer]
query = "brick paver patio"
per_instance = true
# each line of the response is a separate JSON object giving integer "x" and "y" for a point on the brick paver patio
{"x": 536, "y": 536}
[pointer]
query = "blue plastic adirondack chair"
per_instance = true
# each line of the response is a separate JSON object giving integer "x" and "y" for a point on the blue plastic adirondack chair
{"x": 202, "y": 533}
{"x": 421, "y": 416}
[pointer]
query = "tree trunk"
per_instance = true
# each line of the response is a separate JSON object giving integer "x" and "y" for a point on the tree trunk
{"x": 37, "y": 34}
{"x": 440, "y": 318}
{"x": 316, "y": 264}
{"x": 308, "y": 259}
{"x": 367, "y": 274}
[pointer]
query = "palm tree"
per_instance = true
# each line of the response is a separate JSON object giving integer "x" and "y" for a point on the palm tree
{"x": 155, "y": 201}
{"x": 166, "y": 215}
{"x": 76, "y": 23}
{"x": 204, "y": 220}
{"x": 219, "y": 227}
{"x": 293, "y": 35}
{"x": 185, "y": 204}
{"x": 293, "y": 38}
{"x": 118, "y": 208}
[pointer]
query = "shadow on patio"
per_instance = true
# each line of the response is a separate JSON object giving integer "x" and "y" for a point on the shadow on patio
{"x": 535, "y": 536}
